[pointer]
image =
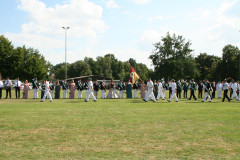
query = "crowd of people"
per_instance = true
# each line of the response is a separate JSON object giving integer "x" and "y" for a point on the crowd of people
{"x": 153, "y": 90}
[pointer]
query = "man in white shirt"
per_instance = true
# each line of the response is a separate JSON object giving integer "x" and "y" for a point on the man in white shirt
{"x": 8, "y": 85}
{"x": 225, "y": 89}
{"x": 1, "y": 87}
{"x": 17, "y": 87}
{"x": 160, "y": 90}
{"x": 149, "y": 94}
{"x": 174, "y": 88}
{"x": 47, "y": 91}
{"x": 219, "y": 88}
{"x": 89, "y": 91}
{"x": 234, "y": 90}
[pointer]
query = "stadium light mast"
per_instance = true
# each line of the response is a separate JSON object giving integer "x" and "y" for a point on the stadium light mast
{"x": 66, "y": 28}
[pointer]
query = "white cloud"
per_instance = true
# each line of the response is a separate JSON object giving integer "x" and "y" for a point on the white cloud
{"x": 141, "y": 1}
{"x": 150, "y": 36}
{"x": 44, "y": 27}
{"x": 112, "y": 4}
{"x": 225, "y": 7}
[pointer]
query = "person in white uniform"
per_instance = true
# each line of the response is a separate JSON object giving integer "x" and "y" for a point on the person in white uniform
{"x": 234, "y": 90}
{"x": 89, "y": 91}
{"x": 1, "y": 87}
{"x": 207, "y": 88}
{"x": 35, "y": 88}
{"x": 219, "y": 89}
{"x": 65, "y": 89}
{"x": 149, "y": 94}
{"x": 47, "y": 92}
{"x": 160, "y": 90}
{"x": 174, "y": 89}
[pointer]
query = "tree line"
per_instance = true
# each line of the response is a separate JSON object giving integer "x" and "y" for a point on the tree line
{"x": 172, "y": 57}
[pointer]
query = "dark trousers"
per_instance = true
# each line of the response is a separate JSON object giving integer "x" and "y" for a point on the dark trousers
{"x": 185, "y": 94}
{"x": 213, "y": 94}
{"x": 170, "y": 92}
{"x": 192, "y": 95}
{"x": 199, "y": 93}
{"x": 225, "y": 95}
{"x": 8, "y": 91}
{"x": 17, "y": 91}
{"x": 179, "y": 93}
{"x": 0, "y": 93}
{"x": 231, "y": 91}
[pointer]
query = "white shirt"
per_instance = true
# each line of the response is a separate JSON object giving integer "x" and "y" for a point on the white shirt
{"x": 234, "y": 86}
{"x": 17, "y": 83}
{"x": 1, "y": 84}
{"x": 173, "y": 85}
{"x": 225, "y": 86}
{"x": 46, "y": 84}
{"x": 219, "y": 86}
{"x": 90, "y": 85}
{"x": 160, "y": 86}
{"x": 150, "y": 85}
{"x": 8, "y": 83}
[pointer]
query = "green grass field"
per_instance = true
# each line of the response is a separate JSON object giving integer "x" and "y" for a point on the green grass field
{"x": 119, "y": 129}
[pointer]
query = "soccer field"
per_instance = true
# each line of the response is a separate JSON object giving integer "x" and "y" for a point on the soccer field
{"x": 119, "y": 129}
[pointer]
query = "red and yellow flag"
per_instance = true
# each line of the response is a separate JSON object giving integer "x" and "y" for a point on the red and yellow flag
{"x": 133, "y": 75}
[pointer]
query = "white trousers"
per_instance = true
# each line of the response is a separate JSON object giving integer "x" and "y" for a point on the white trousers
{"x": 135, "y": 93}
{"x": 160, "y": 94}
{"x": 103, "y": 94}
{"x": 120, "y": 95}
{"x": 90, "y": 93}
{"x": 173, "y": 94}
{"x": 80, "y": 94}
{"x": 51, "y": 93}
{"x": 219, "y": 93}
{"x": 163, "y": 92}
{"x": 35, "y": 93}
{"x": 45, "y": 94}
{"x": 65, "y": 93}
{"x": 207, "y": 95}
{"x": 150, "y": 95}
{"x": 234, "y": 94}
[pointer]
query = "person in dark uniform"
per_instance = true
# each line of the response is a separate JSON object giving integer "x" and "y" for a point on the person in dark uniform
{"x": 192, "y": 89}
{"x": 185, "y": 89}
{"x": 96, "y": 88}
{"x": 43, "y": 90}
{"x": 65, "y": 89}
{"x": 200, "y": 89}
{"x": 179, "y": 89}
{"x": 155, "y": 89}
{"x": 8, "y": 85}
{"x": 121, "y": 88}
{"x": 170, "y": 89}
{"x": 80, "y": 89}
{"x": 136, "y": 89}
{"x": 207, "y": 88}
{"x": 225, "y": 89}
{"x": 103, "y": 89}
{"x": 213, "y": 89}
{"x": 17, "y": 88}
{"x": 57, "y": 90}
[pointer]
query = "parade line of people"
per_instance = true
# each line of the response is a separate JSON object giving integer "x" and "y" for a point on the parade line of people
{"x": 149, "y": 91}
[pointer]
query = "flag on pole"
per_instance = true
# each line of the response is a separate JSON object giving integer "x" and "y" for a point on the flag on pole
{"x": 133, "y": 75}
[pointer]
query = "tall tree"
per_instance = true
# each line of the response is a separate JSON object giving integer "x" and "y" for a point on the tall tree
{"x": 172, "y": 58}
{"x": 79, "y": 68}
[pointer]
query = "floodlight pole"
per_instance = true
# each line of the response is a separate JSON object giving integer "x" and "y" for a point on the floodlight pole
{"x": 66, "y": 28}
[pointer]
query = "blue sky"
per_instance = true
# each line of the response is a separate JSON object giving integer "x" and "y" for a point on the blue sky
{"x": 127, "y": 28}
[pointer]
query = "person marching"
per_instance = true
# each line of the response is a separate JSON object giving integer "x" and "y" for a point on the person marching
{"x": 8, "y": 85}
{"x": 179, "y": 89}
{"x": 219, "y": 89}
{"x": 185, "y": 89}
{"x": 17, "y": 88}
{"x": 136, "y": 89}
{"x": 155, "y": 89}
{"x": 65, "y": 89}
{"x": 80, "y": 89}
{"x": 234, "y": 90}
{"x": 35, "y": 88}
{"x": 173, "y": 89}
{"x": 225, "y": 90}
{"x": 96, "y": 89}
{"x": 164, "y": 87}
{"x": 121, "y": 89}
{"x": 42, "y": 89}
{"x": 213, "y": 89}
{"x": 160, "y": 90}
{"x": 47, "y": 91}
{"x": 207, "y": 88}
{"x": 170, "y": 88}
{"x": 90, "y": 91}
{"x": 192, "y": 89}
{"x": 200, "y": 89}
{"x": 149, "y": 94}
{"x": 103, "y": 89}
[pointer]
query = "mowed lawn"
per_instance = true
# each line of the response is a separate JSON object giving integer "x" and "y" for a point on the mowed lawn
{"x": 119, "y": 129}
